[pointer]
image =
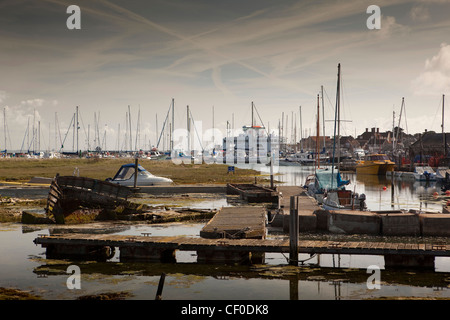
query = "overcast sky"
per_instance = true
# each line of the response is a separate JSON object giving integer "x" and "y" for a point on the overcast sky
{"x": 223, "y": 55}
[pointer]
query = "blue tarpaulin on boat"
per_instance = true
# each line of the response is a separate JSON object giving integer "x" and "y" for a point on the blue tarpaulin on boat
{"x": 327, "y": 180}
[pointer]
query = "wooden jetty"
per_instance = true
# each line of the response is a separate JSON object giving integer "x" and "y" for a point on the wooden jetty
{"x": 307, "y": 207}
{"x": 253, "y": 193}
{"x": 153, "y": 248}
{"x": 237, "y": 222}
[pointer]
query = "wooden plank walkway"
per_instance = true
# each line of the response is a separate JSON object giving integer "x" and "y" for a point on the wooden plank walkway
{"x": 306, "y": 204}
{"x": 237, "y": 222}
{"x": 240, "y": 245}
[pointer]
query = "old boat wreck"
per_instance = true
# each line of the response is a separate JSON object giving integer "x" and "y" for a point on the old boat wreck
{"x": 82, "y": 197}
{"x": 69, "y": 194}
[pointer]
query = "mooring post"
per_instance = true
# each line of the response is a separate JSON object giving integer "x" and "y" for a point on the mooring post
{"x": 160, "y": 286}
{"x": 135, "y": 171}
{"x": 293, "y": 231}
{"x": 271, "y": 173}
{"x": 392, "y": 188}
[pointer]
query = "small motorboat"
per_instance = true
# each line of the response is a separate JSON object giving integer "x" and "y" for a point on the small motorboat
{"x": 376, "y": 164}
{"x": 424, "y": 173}
{"x": 125, "y": 177}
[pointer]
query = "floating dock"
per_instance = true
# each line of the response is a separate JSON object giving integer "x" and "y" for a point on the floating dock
{"x": 236, "y": 222}
{"x": 156, "y": 249}
{"x": 253, "y": 193}
{"x": 307, "y": 208}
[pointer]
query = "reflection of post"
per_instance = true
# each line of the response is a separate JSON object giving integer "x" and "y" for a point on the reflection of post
{"x": 160, "y": 286}
{"x": 293, "y": 288}
{"x": 392, "y": 189}
{"x": 293, "y": 232}
{"x": 135, "y": 171}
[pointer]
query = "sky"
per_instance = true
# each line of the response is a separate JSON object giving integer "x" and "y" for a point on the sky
{"x": 218, "y": 57}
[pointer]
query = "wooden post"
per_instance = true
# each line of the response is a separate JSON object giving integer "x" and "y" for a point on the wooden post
{"x": 293, "y": 232}
{"x": 392, "y": 189}
{"x": 135, "y": 171}
{"x": 271, "y": 172}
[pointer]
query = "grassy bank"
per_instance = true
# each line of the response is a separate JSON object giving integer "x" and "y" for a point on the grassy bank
{"x": 22, "y": 170}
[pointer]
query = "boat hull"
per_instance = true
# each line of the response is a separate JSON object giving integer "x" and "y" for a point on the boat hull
{"x": 156, "y": 181}
{"x": 374, "y": 168}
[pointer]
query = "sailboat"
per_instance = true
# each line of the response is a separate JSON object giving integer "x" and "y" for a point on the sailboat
{"x": 327, "y": 186}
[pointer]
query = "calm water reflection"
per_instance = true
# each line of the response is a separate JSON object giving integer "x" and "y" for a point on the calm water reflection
{"x": 407, "y": 194}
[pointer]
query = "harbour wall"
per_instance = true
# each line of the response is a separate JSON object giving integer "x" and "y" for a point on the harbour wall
{"x": 367, "y": 222}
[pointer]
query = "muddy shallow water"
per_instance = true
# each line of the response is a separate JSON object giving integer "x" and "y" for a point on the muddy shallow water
{"x": 24, "y": 266}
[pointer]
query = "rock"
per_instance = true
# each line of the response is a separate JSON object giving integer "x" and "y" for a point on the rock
{"x": 35, "y": 218}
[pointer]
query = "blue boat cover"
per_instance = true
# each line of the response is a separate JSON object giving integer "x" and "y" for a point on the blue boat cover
{"x": 328, "y": 181}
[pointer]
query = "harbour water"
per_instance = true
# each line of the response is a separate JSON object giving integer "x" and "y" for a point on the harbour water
{"x": 24, "y": 265}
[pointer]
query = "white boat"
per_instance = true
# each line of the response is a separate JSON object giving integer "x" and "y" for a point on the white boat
{"x": 125, "y": 177}
{"x": 442, "y": 172}
{"x": 311, "y": 158}
{"x": 328, "y": 189}
{"x": 424, "y": 173}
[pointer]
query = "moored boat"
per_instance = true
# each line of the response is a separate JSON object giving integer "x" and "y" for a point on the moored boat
{"x": 442, "y": 173}
{"x": 424, "y": 173}
{"x": 328, "y": 188}
{"x": 377, "y": 164}
{"x": 125, "y": 177}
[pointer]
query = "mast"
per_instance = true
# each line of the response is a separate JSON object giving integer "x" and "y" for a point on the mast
{"x": 156, "y": 128}
{"x": 443, "y": 132}
{"x": 138, "y": 130}
{"x": 28, "y": 135}
{"x": 399, "y": 119}
{"x": 77, "y": 129}
{"x": 39, "y": 136}
{"x": 34, "y": 131}
{"x": 172, "y": 128}
{"x": 393, "y": 129}
{"x": 292, "y": 128}
{"x": 73, "y": 133}
{"x": 118, "y": 137}
{"x": 323, "y": 118}
{"x": 252, "y": 115}
{"x": 88, "y": 137}
{"x": 301, "y": 130}
{"x": 4, "y": 126}
{"x": 188, "y": 127}
{"x": 129, "y": 127}
{"x": 318, "y": 134}
{"x": 282, "y": 131}
{"x": 339, "y": 117}
{"x": 336, "y": 118}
